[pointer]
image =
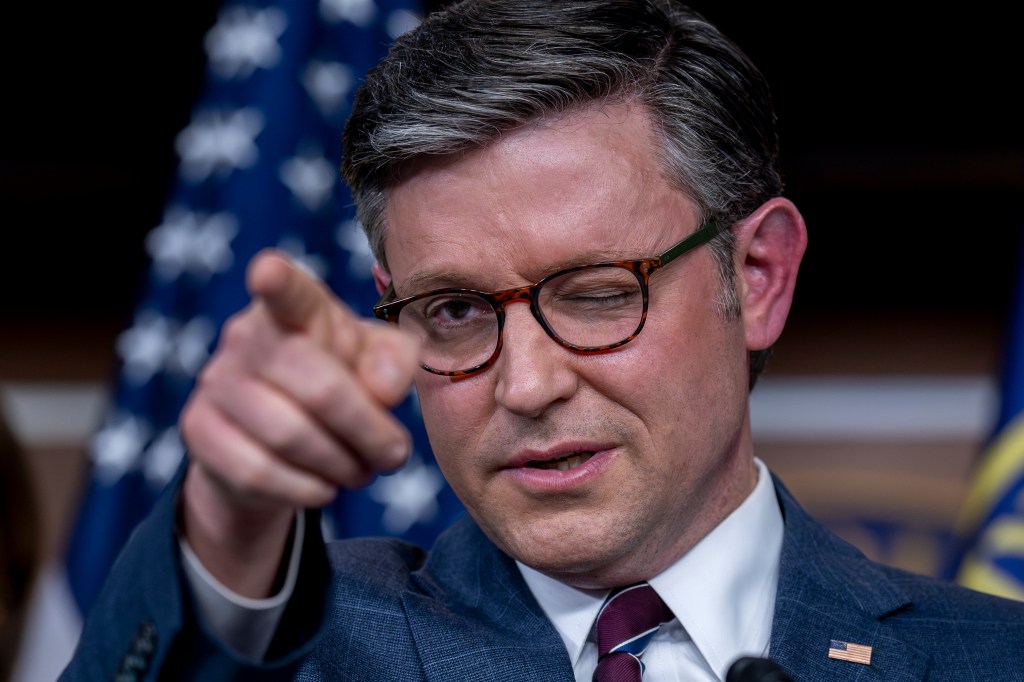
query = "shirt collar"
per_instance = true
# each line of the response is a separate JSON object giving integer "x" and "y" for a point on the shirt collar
{"x": 730, "y": 575}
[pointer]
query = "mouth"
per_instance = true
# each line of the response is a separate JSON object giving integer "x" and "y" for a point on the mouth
{"x": 565, "y": 463}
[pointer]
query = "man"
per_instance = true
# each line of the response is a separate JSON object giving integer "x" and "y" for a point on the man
{"x": 611, "y": 165}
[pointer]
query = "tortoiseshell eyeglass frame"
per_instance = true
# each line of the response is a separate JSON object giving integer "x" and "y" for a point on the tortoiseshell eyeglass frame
{"x": 389, "y": 309}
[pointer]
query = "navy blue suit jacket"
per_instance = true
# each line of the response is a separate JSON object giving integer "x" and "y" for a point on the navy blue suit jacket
{"x": 380, "y": 609}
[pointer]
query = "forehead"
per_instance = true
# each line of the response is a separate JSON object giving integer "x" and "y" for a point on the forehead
{"x": 587, "y": 186}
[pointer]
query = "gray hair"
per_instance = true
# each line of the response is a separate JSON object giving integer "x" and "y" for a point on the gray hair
{"x": 481, "y": 68}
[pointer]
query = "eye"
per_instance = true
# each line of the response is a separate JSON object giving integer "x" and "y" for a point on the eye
{"x": 449, "y": 309}
{"x": 606, "y": 296}
{"x": 455, "y": 310}
{"x": 592, "y": 290}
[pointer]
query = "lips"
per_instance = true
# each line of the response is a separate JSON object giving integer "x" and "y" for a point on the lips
{"x": 562, "y": 463}
{"x": 566, "y": 468}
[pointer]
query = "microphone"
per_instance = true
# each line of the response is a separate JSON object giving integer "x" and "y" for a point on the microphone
{"x": 750, "y": 669}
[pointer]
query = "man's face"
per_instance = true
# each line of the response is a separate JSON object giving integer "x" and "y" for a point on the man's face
{"x": 656, "y": 431}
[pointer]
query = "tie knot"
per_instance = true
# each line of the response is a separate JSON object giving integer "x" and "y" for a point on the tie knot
{"x": 629, "y": 618}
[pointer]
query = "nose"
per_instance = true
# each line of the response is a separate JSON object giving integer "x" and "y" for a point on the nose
{"x": 533, "y": 370}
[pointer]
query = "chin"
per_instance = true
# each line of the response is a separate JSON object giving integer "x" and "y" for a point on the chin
{"x": 572, "y": 552}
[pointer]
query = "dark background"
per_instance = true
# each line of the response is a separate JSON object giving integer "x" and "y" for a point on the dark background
{"x": 901, "y": 134}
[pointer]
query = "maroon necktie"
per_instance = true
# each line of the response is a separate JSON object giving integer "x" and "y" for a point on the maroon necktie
{"x": 625, "y": 626}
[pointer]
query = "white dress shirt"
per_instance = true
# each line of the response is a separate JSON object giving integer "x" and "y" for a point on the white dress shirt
{"x": 245, "y": 625}
{"x": 722, "y": 593}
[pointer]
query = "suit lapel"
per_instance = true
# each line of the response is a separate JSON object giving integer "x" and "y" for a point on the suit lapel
{"x": 828, "y": 591}
{"x": 473, "y": 617}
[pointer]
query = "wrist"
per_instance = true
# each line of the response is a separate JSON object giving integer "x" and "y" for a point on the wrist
{"x": 242, "y": 544}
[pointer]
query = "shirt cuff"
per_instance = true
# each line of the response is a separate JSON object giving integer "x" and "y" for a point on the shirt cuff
{"x": 245, "y": 625}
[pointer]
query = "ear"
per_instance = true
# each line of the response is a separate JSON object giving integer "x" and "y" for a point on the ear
{"x": 381, "y": 277}
{"x": 769, "y": 247}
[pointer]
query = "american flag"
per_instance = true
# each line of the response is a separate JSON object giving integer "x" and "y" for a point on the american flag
{"x": 846, "y": 651}
{"x": 257, "y": 167}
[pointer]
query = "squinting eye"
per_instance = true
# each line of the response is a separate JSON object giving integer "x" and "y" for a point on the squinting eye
{"x": 594, "y": 289}
{"x": 600, "y": 297}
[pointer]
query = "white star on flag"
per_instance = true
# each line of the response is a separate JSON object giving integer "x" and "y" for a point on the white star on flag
{"x": 328, "y": 83}
{"x": 401, "y": 21}
{"x": 191, "y": 346}
{"x": 191, "y": 241}
{"x": 296, "y": 250}
{"x": 244, "y": 40}
{"x": 310, "y": 178}
{"x": 409, "y": 495}
{"x": 162, "y": 457}
{"x": 218, "y": 141}
{"x": 358, "y": 12}
{"x": 116, "y": 448}
{"x": 155, "y": 343}
{"x": 144, "y": 346}
{"x": 350, "y": 236}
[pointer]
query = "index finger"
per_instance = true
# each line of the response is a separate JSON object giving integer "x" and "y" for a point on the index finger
{"x": 295, "y": 299}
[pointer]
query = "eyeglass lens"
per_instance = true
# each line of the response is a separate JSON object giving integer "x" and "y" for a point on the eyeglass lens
{"x": 588, "y": 308}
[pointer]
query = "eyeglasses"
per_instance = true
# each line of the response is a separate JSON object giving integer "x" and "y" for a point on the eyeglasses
{"x": 588, "y": 309}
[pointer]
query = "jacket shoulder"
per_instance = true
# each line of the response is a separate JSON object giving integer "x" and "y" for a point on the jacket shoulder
{"x": 917, "y": 626}
{"x": 933, "y": 600}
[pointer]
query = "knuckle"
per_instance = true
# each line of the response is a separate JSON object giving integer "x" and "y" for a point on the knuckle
{"x": 235, "y": 331}
{"x": 253, "y": 478}
{"x": 285, "y": 436}
{"x": 187, "y": 421}
{"x": 323, "y": 396}
{"x": 209, "y": 374}
{"x": 345, "y": 340}
{"x": 195, "y": 425}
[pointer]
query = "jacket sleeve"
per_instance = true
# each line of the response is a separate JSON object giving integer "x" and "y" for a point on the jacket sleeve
{"x": 144, "y": 624}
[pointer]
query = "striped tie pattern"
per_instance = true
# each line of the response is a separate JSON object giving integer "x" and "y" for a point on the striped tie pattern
{"x": 626, "y": 624}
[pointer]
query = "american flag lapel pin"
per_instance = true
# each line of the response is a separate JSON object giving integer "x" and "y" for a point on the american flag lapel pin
{"x": 848, "y": 651}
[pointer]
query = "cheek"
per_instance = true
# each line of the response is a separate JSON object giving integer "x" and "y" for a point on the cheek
{"x": 684, "y": 363}
{"x": 453, "y": 412}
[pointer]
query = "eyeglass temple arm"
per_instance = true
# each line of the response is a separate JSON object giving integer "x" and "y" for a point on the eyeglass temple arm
{"x": 387, "y": 296}
{"x": 704, "y": 233}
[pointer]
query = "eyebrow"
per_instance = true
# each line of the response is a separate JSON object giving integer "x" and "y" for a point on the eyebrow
{"x": 428, "y": 281}
{"x": 420, "y": 282}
